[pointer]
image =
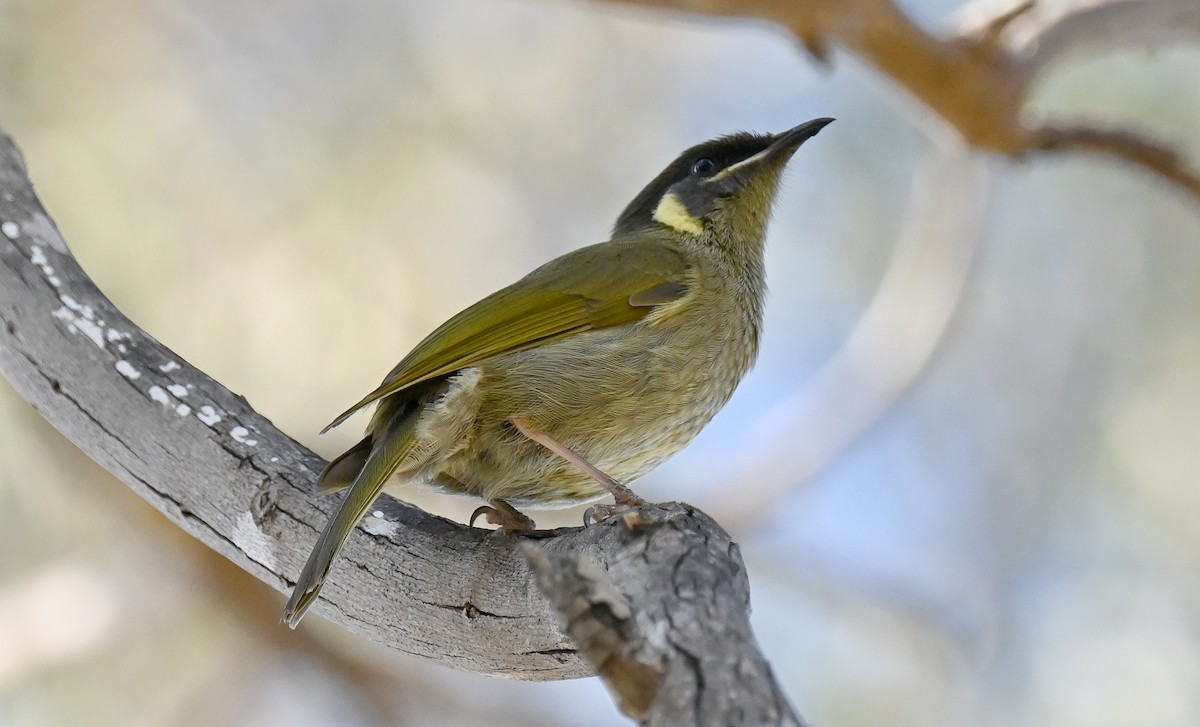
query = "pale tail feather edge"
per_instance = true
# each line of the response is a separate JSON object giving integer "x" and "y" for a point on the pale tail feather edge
{"x": 367, "y": 485}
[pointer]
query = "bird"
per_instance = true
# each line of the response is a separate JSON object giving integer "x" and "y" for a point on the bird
{"x": 589, "y": 371}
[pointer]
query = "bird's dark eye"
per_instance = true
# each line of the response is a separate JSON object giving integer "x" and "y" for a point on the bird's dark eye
{"x": 704, "y": 167}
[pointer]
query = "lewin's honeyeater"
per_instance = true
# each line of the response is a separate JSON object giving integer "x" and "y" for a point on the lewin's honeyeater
{"x": 587, "y": 372}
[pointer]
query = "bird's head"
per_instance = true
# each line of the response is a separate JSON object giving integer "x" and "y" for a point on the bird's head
{"x": 720, "y": 189}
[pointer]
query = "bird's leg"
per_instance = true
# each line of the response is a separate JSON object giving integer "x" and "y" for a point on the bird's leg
{"x": 502, "y": 514}
{"x": 624, "y": 497}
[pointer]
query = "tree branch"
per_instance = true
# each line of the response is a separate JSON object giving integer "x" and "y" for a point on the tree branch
{"x": 1041, "y": 41}
{"x": 199, "y": 453}
{"x": 666, "y": 626}
{"x": 1124, "y": 145}
{"x": 975, "y": 81}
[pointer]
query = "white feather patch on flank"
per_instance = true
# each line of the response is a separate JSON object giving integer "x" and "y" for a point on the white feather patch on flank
{"x": 672, "y": 212}
{"x": 445, "y": 424}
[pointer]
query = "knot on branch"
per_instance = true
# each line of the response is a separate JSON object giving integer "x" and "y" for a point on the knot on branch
{"x": 666, "y": 623}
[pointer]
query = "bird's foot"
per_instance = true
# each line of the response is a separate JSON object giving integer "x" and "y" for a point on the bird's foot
{"x": 500, "y": 513}
{"x": 623, "y": 497}
{"x": 627, "y": 508}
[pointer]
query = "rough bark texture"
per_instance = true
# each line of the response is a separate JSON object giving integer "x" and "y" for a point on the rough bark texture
{"x": 666, "y": 622}
{"x": 427, "y": 586}
{"x": 205, "y": 458}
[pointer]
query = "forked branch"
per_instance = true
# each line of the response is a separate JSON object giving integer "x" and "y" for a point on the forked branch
{"x": 979, "y": 80}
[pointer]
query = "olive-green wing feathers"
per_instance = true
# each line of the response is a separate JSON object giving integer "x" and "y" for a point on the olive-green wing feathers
{"x": 603, "y": 285}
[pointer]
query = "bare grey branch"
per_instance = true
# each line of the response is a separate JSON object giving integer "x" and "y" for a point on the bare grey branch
{"x": 421, "y": 584}
{"x": 665, "y": 621}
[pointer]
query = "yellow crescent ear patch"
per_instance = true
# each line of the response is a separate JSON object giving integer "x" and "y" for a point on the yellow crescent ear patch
{"x": 672, "y": 212}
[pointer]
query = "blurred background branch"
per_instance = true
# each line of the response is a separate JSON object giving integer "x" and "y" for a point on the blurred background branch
{"x": 976, "y": 80}
{"x": 1125, "y": 145}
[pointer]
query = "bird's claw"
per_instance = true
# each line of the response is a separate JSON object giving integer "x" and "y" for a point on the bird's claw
{"x": 503, "y": 515}
{"x": 600, "y": 513}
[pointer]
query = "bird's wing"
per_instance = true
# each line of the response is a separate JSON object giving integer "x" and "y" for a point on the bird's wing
{"x": 594, "y": 287}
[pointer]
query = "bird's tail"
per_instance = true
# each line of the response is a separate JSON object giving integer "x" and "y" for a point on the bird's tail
{"x": 342, "y": 471}
{"x": 384, "y": 459}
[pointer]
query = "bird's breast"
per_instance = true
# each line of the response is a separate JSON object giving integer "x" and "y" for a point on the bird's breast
{"x": 647, "y": 387}
{"x": 625, "y": 398}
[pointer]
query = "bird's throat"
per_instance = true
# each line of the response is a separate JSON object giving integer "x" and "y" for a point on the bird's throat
{"x": 672, "y": 212}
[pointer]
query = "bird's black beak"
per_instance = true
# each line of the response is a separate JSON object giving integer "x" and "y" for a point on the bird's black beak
{"x": 788, "y": 142}
{"x": 776, "y": 154}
